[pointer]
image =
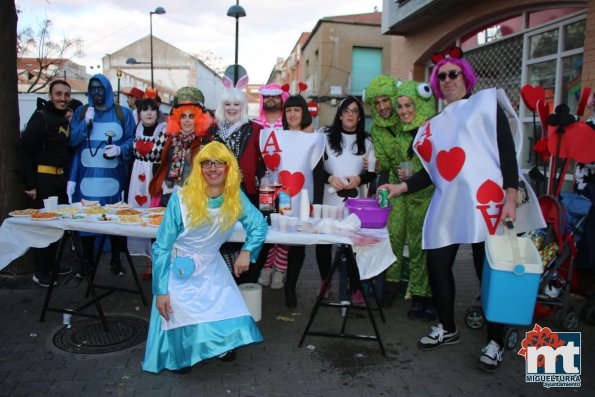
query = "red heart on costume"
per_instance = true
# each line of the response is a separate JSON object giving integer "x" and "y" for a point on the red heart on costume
{"x": 142, "y": 177}
{"x": 140, "y": 199}
{"x": 450, "y": 162}
{"x": 292, "y": 181}
{"x": 272, "y": 161}
{"x": 425, "y": 150}
{"x": 489, "y": 191}
{"x": 143, "y": 147}
{"x": 543, "y": 110}
{"x": 531, "y": 95}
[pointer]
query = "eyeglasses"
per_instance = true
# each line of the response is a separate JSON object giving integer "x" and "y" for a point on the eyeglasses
{"x": 208, "y": 164}
{"x": 349, "y": 110}
{"x": 453, "y": 74}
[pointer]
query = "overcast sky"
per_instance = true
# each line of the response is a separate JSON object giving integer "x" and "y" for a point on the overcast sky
{"x": 270, "y": 29}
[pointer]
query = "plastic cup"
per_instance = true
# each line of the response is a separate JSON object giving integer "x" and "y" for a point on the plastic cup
{"x": 336, "y": 212}
{"x": 275, "y": 221}
{"x": 326, "y": 211}
{"x": 288, "y": 212}
{"x": 283, "y": 222}
{"x": 340, "y": 212}
{"x": 292, "y": 224}
{"x": 317, "y": 211}
{"x": 371, "y": 164}
{"x": 407, "y": 168}
{"x": 48, "y": 204}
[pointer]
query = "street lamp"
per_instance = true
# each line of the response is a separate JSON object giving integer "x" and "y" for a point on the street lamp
{"x": 236, "y": 12}
{"x": 119, "y": 76}
{"x": 158, "y": 11}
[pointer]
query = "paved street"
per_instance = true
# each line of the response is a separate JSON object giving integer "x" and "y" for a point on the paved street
{"x": 30, "y": 364}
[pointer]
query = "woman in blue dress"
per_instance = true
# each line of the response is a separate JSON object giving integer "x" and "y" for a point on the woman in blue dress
{"x": 198, "y": 312}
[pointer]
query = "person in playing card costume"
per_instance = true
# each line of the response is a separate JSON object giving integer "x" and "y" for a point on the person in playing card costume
{"x": 415, "y": 104}
{"x": 241, "y": 136}
{"x": 298, "y": 157}
{"x": 347, "y": 142}
{"x": 148, "y": 146}
{"x": 381, "y": 96}
{"x": 198, "y": 311}
{"x": 187, "y": 129}
{"x": 468, "y": 154}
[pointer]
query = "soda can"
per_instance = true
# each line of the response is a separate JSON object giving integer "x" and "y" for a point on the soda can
{"x": 383, "y": 198}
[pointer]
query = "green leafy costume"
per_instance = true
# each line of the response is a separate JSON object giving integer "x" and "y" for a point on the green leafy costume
{"x": 410, "y": 209}
{"x": 384, "y": 135}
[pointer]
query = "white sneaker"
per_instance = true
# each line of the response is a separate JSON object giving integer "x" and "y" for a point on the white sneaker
{"x": 491, "y": 356}
{"x": 438, "y": 337}
{"x": 278, "y": 280}
{"x": 265, "y": 276}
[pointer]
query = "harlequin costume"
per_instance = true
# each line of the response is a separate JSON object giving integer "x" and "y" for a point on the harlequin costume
{"x": 147, "y": 151}
{"x": 209, "y": 315}
{"x": 410, "y": 209}
{"x": 384, "y": 135}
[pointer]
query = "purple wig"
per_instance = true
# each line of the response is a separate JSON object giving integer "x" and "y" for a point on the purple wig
{"x": 468, "y": 75}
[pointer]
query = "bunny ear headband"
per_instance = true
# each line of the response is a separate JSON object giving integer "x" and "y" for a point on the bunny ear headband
{"x": 301, "y": 87}
{"x": 454, "y": 52}
{"x": 241, "y": 84}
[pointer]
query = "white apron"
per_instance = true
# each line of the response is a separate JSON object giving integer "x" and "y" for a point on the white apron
{"x": 346, "y": 164}
{"x": 294, "y": 154}
{"x": 211, "y": 293}
{"x": 459, "y": 150}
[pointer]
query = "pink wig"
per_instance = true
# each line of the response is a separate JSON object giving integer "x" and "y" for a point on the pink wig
{"x": 468, "y": 75}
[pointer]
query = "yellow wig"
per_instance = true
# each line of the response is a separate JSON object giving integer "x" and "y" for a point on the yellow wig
{"x": 194, "y": 192}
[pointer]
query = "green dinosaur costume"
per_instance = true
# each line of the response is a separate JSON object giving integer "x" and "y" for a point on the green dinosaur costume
{"x": 410, "y": 209}
{"x": 384, "y": 135}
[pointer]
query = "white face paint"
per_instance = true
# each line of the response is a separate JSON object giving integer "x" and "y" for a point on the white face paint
{"x": 148, "y": 117}
{"x": 232, "y": 111}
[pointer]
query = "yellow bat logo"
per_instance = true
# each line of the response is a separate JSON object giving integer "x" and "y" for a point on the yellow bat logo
{"x": 65, "y": 131}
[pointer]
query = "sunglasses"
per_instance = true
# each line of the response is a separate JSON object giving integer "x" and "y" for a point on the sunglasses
{"x": 453, "y": 74}
{"x": 208, "y": 164}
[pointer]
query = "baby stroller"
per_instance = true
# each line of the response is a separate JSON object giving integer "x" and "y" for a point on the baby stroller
{"x": 557, "y": 246}
{"x": 567, "y": 140}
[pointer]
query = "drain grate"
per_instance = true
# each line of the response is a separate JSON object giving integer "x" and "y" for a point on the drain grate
{"x": 88, "y": 336}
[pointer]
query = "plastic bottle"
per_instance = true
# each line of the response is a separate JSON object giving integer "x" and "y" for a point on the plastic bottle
{"x": 266, "y": 195}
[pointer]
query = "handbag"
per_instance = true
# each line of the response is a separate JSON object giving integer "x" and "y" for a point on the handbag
{"x": 183, "y": 267}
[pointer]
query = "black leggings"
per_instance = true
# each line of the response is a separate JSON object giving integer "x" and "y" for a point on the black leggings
{"x": 440, "y": 263}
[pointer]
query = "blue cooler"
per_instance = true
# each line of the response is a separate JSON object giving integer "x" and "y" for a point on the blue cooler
{"x": 510, "y": 280}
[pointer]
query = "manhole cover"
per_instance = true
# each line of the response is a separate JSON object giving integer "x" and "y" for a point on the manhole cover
{"x": 88, "y": 336}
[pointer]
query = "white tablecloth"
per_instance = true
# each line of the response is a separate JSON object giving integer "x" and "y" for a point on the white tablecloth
{"x": 17, "y": 235}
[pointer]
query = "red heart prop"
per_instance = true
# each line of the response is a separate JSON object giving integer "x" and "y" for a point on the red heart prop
{"x": 292, "y": 181}
{"x": 143, "y": 147}
{"x": 543, "y": 110}
{"x": 140, "y": 199}
{"x": 531, "y": 95}
{"x": 450, "y": 162}
{"x": 489, "y": 191}
{"x": 425, "y": 150}
{"x": 272, "y": 161}
{"x": 142, "y": 177}
{"x": 302, "y": 86}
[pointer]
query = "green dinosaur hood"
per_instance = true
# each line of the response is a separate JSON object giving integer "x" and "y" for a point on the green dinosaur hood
{"x": 380, "y": 86}
{"x": 422, "y": 96}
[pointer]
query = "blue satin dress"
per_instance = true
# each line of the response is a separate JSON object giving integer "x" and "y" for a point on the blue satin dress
{"x": 209, "y": 315}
